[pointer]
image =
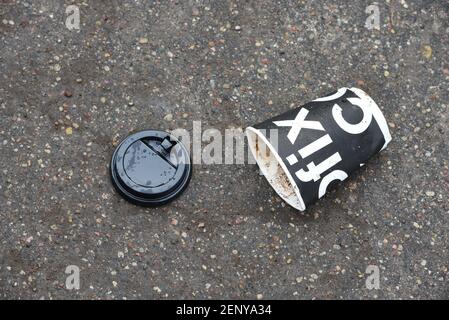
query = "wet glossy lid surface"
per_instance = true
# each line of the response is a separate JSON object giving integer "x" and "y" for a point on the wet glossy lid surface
{"x": 150, "y": 168}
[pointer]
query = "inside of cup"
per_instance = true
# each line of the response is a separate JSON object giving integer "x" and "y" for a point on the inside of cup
{"x": 273, "y": 168}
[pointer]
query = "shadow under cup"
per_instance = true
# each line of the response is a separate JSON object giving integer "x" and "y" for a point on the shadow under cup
{"x": 304, "y": 150}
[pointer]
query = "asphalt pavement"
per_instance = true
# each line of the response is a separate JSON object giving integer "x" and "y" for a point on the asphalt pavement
{"x": 69, "y": 95}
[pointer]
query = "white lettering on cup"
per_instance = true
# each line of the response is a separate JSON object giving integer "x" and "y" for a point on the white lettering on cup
{"x": 297, "y": 124}
{"x": 357, "y": 128}
{"x": 334, "y": 175}
{"x": 314, "y": 146}
{"x": 315, "y": 171}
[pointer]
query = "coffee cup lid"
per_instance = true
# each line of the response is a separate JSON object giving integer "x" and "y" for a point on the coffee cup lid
{"x": 150, "y": 168}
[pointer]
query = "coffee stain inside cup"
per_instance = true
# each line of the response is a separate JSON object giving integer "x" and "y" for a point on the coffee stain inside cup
{"x": 273, "y": 168}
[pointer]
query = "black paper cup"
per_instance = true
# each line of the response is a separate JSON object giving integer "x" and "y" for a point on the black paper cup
{"x": 303, "y": 151}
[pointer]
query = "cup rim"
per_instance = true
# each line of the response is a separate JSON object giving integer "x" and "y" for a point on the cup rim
{"x": 250, "y": 130}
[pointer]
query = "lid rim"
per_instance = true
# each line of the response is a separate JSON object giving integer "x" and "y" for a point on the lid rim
{"x": 151, "y": 202}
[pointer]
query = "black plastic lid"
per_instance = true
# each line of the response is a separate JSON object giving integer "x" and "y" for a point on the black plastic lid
{"x": 150, "y": 168}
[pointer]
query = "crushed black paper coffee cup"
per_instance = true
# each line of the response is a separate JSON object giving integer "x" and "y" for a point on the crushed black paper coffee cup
{"x": 304, "y": 150}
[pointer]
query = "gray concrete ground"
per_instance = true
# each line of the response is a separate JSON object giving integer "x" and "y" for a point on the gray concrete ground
{"x": 67, "y": 97}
